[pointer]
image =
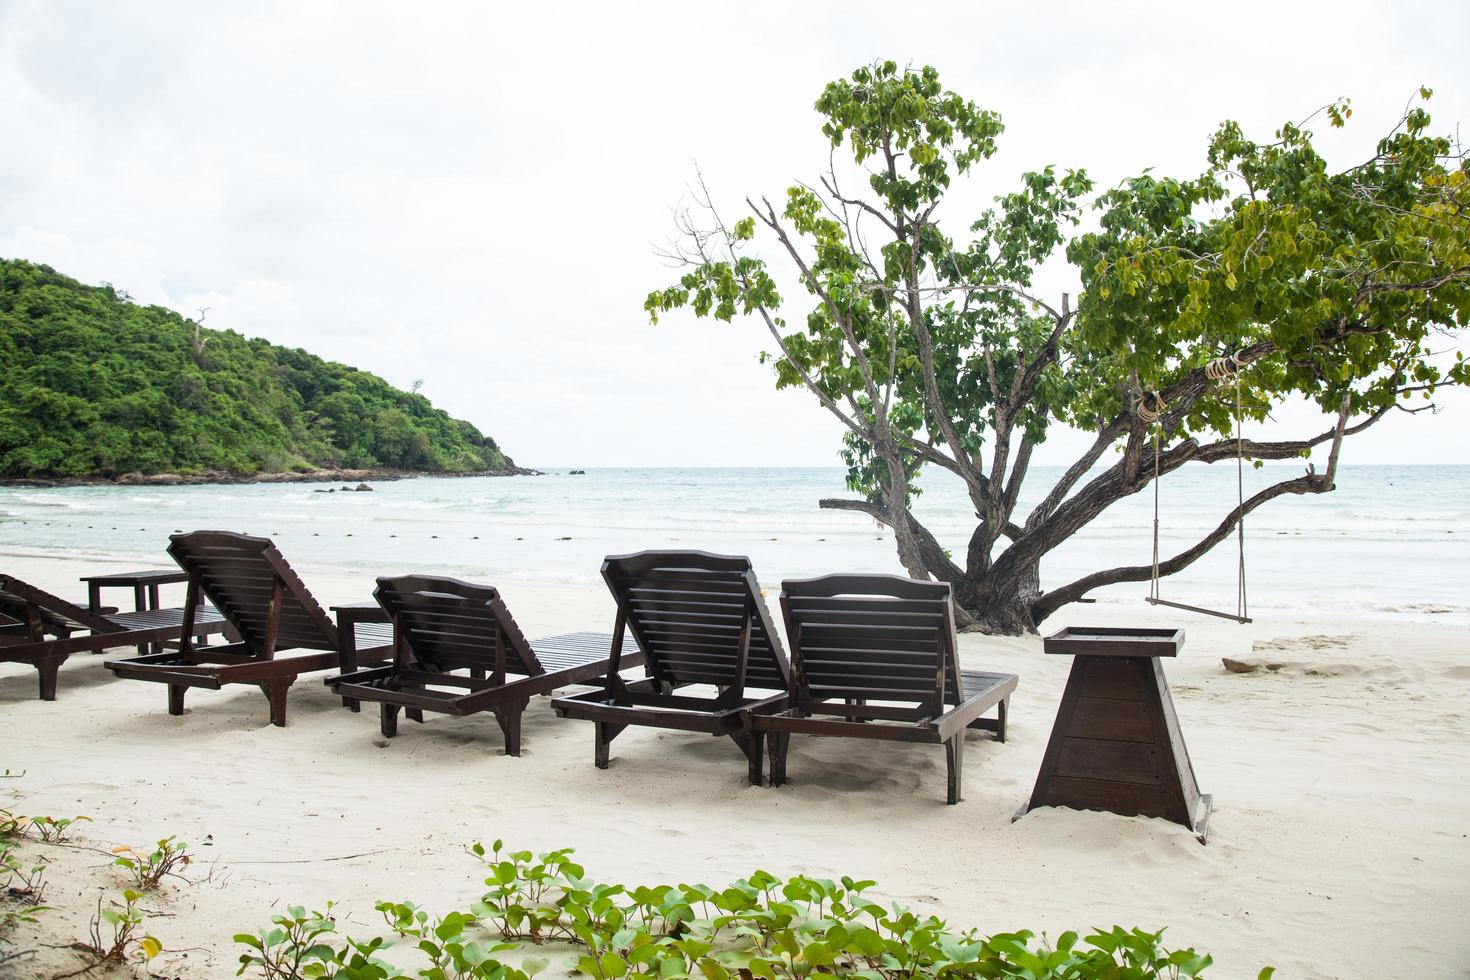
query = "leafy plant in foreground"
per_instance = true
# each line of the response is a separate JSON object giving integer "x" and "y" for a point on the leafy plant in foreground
{"x": 759, "y": 928}
{"x": 292, "y": 947}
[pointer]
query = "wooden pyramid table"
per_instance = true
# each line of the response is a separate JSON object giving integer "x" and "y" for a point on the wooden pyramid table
{"x": 1116, "y": 743}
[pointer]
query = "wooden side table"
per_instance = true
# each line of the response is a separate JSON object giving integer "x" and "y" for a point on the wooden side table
{"x": 145, "y": 591}
{"x": 364, "y": 622}
{"x": 144, "y": 585}
{"x": 1116, "y": 743}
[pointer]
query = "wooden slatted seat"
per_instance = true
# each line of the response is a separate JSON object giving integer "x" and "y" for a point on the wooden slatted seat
{"x": 43, "y": 630}
{"x": 875, "y": 656}
{"x": 698, "y": 619}
{"x": 266, "y": 605}
{"x": 461, "y": 637}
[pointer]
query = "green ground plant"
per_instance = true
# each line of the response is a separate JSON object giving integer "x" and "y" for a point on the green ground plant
{"x": 757, "y": 928}
{"x": 22, "y": 887}
{"x": 117, "y": 933}
{"x": 22, "y": 883}
{"x": 147, "y": 871}
{"x": 55, "y": 830}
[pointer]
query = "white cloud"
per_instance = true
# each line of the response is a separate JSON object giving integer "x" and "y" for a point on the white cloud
{"x": 469, "y": 193}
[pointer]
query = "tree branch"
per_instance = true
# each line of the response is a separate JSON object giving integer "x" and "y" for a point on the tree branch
{"x": 843, "y": 321}
{"x": 831, "y": 188}
{"x": 1311, "y": 482}
{"x": 939, "y": 564}
{"x": 1075, "y": 472}
{"x": 1051, "y": 601}
{"x": 863, "y": 432}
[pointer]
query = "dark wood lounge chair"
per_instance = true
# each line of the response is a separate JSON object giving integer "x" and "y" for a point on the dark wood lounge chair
{"x": 874, "y": 656}
{"x": 452, "y": 634}
{"x": 268, "y": 607}
{"x": 43, "y": 630}
{"x": 697, "y": 618}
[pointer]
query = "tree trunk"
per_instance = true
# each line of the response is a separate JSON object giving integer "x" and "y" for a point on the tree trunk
{"x": 1000, "y": 604}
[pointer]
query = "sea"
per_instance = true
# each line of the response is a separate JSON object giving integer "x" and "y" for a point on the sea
{"x": 1389, "y": 541}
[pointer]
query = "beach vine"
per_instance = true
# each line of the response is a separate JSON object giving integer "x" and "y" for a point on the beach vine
{"x": 757, "y": 928}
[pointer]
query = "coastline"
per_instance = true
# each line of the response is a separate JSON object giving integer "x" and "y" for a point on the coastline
{"x": 225, "y": 478}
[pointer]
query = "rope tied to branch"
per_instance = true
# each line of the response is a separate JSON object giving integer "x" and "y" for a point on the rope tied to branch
{"x": 1150, "y": 406}
{"x": 1223, "y": 367}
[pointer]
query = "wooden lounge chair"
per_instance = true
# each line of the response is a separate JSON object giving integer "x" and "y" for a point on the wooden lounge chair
{"x": 43, "y": 630}
{"x": 860, "y": 639}
{"x": 266, "y": 604}
{"x": 698, "y": 618}
{"x": 443, "y": 625}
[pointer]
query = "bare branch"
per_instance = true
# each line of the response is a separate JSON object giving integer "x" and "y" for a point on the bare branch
{"x": 831, "y": 188}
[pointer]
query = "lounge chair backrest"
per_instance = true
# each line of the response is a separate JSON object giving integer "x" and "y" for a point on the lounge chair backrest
{"x": 685, "y": 609}
{"x": 19, "y": 598}
{"x": 446, "y": 624}
{"x": 238, "y": 573}
{"x": 871, "y": 637}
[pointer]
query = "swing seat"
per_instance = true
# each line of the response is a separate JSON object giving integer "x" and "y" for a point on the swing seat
{"x": 1154, "y": 601}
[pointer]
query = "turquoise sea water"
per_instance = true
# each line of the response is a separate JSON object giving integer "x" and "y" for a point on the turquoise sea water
{"x": 1390, "y": 540}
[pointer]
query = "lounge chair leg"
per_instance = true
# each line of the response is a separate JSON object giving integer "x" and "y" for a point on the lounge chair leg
{"x": 856, "y": 702}
{"x": 47, "y": 669}
{"x": 352, "y": 704}
{"x": 752, "y": 744}
{"x": 275, "y": 693}
{"x": 414, "y": 714}
{"x": 388, "y": 720}
{"x": 509, "y": 716}
{"x": 605, "y": 733}
{"x": 996, "y": 725}
{"x": 778, "y": 742}
{"x": 176, "y": 699}
{"x": 954, "y": 757}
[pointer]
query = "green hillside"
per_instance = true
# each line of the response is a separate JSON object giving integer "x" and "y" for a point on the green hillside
{"x": 92, "y": 384}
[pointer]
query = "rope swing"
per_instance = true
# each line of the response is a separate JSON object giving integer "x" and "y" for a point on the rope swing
{"x": 1150, "y": 408}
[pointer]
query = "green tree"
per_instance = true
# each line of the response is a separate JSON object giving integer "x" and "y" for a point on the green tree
{"x": 1268, "y": 268}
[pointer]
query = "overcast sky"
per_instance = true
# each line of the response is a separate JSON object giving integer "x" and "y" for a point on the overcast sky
{"x": 470, "y": 193}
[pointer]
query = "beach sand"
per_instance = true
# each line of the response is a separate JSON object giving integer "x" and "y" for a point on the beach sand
{"x": 1338, "y": 845}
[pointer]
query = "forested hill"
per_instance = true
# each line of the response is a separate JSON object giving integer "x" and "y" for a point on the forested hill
{"x": 92, "y": 384}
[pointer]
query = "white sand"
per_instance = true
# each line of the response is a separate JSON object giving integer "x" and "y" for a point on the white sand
{"x": 1338, "y": 845}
